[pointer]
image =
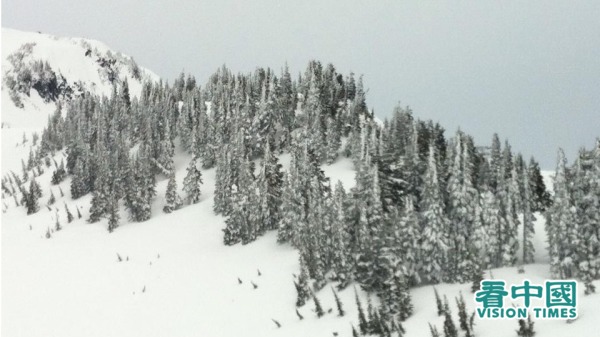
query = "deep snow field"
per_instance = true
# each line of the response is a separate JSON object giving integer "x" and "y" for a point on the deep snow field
{"x": 178, "y": 279}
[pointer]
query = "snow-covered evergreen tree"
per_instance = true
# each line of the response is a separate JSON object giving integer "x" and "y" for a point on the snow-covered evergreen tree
{"x": 561, "y": 224}
{"x": 406, "y": 236}
{"x": 434, "y": 222}
{"x": 528, "y": 223}
{"x": 173, "y": 200}
{"x": 192, "y": 182}
{"x": 334, "y": 140}
{"x": 302, "y": 284}
{"x": 510, "y": 231}
{"x": 341, "y": 260}
{"x": 270, "y": 180}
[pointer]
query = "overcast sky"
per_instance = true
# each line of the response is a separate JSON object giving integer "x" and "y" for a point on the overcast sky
{"x": 529, "y": 70}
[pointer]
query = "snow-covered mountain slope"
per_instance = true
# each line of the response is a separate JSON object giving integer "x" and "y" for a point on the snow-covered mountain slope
{"x": 78, "y": 64}
{"x": 39, "y": 70}
{"x": 175, "y": 277}
{"x": 178, "y": 279}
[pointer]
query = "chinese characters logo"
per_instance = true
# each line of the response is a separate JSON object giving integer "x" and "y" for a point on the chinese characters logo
{"x": 556, "y": 299}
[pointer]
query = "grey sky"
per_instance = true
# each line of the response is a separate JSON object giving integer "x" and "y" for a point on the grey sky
{"x": 529, "y": 70}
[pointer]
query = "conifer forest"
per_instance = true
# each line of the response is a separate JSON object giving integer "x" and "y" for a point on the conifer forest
{"x": 428, "y": 211}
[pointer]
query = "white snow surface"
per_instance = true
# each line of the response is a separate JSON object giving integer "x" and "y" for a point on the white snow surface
{"x": 178, "y": 279}
{"x": 66, "y": 56}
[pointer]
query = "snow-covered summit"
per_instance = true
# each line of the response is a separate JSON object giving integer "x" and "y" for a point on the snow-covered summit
{"x": 40, "y": 69}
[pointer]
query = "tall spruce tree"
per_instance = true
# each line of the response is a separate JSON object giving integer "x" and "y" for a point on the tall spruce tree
{"x": 173, "y": 200}
{"x": 192, "y": 182}
{"x": 341, "y": 259}
{"x": 434, "y": 222}
{"x": 561, "y": 224}
{"x": 270, "y": 180}
{"x": 528, "y": 223}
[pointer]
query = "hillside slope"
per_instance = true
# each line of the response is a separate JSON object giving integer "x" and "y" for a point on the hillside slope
{"x": 178, "y": 279}
{"x": 172, "y": 275}
{"x": 39, "y": 70}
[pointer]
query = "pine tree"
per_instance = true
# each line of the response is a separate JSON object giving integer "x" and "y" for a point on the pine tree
{"x": 102, "y": 193}
{"x": 248, "y": 200}
{"x": 291, "y": 206}
{"x": 464, "y": 317}
{"x": 78, "y": 185}
{"x": 492, "y": 224}
{"x": 270, "y": 180}
{"x": 59, "y": 174}
{"x": 526, "y": 328}
{"x": 449, "y": 327}
{"x": 433, "y": 240}
{"x": 172, "y": 197}
{"x": 338, "y": 303}
{"x": 113, "y": 214}
{"x": 57, "y": 225}
{"x": 586, "y": 199}
{"x": 528, "y": 224}
{"x": 166, "y": 150}
{"x": 302, "y": 285}
{"x": 52, "y": 198}
{"x": 477, "y": 277}
{"x": 333, "y": 137}
{"x": 510, "y": 231}
{"x": 363, "y": 324}
{"x": 142, "y": 187}
{"x": 318, "y": 309}
{"x": 462, "y": 201}
{"x": 69, "y": 215}
{"x": 341, "y": 261}
{"x": 222, "y": 203}
{"x": 235, "y": 220}
{"x": 496, "y": 172}
{"x": 434, "y": 331}
{"x": 35, "y": 188}
{"x": 540, "y": 198}
{"x": 30, "y": 198}
{"x": 192, "y": 182}
{"x": 438, "y": 302}
{"x": 354, "y": 332}
{"x": 561, "y": 224}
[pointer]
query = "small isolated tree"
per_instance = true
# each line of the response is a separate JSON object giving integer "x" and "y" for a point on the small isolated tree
{"x": 449, "y": 327}
{"x": 172, "y": 197}
{"x": 526, "y": 328}
{"x": 57, "y": 225}
{"x": 438, "y": 303}
{"x": 463, "y": 316}
{"x": 363, "y": 324}
{"x": 48, "y": 234}
{"x": 30, "y": 198}
{"x": 434, "y": 331}
{"x": 52, "y": 198}
{"x": 338, "y": 303}
{"x": 318, "y": 308}
{"x": 69, "y": 215}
